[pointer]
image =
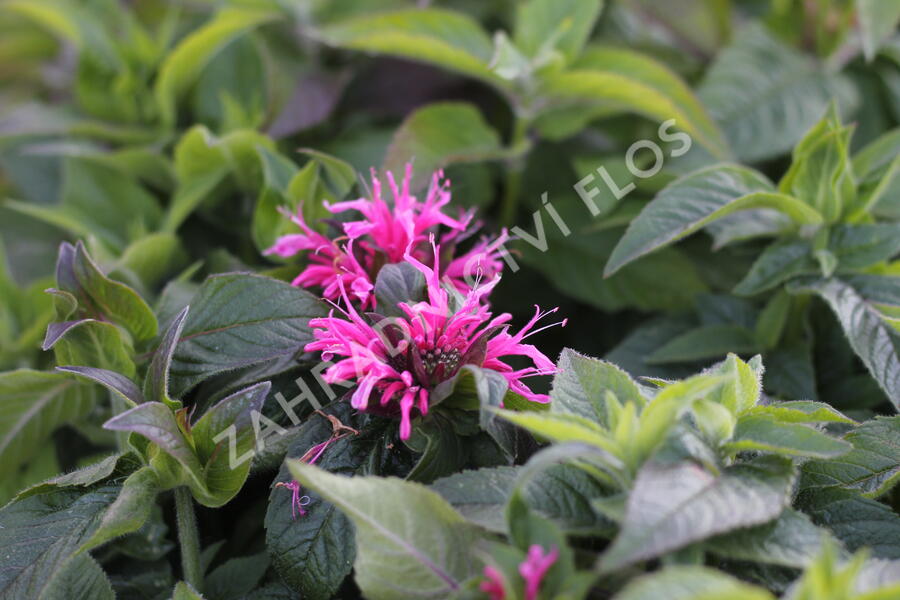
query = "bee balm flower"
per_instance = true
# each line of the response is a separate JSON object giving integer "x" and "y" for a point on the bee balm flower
{"x": 383, "y": 235}
{"x": 532, "y": 569}
{"x": 397, "y": 362}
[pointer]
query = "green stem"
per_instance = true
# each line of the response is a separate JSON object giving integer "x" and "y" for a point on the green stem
{"x": 188, "y": 538}
{"x": 516, "y": 166}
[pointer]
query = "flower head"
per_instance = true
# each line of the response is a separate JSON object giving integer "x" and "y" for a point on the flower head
{"x": 384, "y": 235}
{"x": 397, "y": 362}
{"x": 533, "y": 570}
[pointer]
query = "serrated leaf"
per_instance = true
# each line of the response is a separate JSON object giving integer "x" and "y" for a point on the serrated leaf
{"x": 855, "y": 520}
{"x": 776, "y": 264}
{"x": 765, "y": 95}
{"x": 697, "y": 199}
{"x": 40, "y": 533}
{"x": 439, "y": 135}
{"x": 34, "y": 404}
{"x": 130, "y": 510}
{"x": 673, "y": 505}
{"x": 581, "y": 383}
{"x": 409, "y": 540}
{"x": 81, "y": 579}
{"x": 872, "y": 466}
{"x": 869, "y": 336}
{"x": 801, "y": 411}
{"x": 791, "y": 540}
{"x": 241, "y": 320}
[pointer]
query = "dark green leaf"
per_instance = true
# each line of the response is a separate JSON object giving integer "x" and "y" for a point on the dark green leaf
{"x": 705, "y": 343}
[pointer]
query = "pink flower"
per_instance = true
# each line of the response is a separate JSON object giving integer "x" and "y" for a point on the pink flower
{"x": 535, "y": 567}
{"x": 397, "y": 362}
{"x": 384, "y": 234}
{"x": 493, "y": 585}
{"x": 532, "y": 569}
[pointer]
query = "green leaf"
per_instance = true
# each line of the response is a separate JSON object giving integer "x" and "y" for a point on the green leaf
{"x": 223, "y": 476}
{"x": 90, "y": 342}
{"x": 545, "y": 26}
{"x": 766, "y": 95}
{"x": 855, "y": 520}
{"x": 81, "y": 579}
{"x": 130, "y": 511}
{"x": 562, "y": 493}
{"x": 800, "y": 411}
{"x": 439, "y": 135}
{"x": 765, "y": 434}
{"x": 86, "y": 476}
{"x": 97, "y": 200}
{"x": 673, "y": 505}
{"x": 581, "y": 383}
{"x": 34, "y": 404}
{"x": 115, "y": 382}
{"x": 241, "y": 320}
{"x": 870, "y": 337}
{"x": 791, "y": 540}
{"x": 776, "y": 264}
{"x": 877, "y": 20}
{"x": 647, "y": 87}
{"x": 704, "y": 343}
{"x": 396, "y": 283}
{"x": 697, "y": 199}
{"x": 314, "y": 553}
{"x": 690, "y": 583}
{"x": 268, "y": 222}
{"x": 237, "y": 578}
{"x": 872, "y": 466}
{"x": 184, "y": 591}
{"x": 109, "y": 298}
{"x": 156, "y": 422}
{"x": 859, "y": 246}
{"x": 42, "y": 532}
{"x": 439, "y": 37}
{"x": 183, "y": 65}
{"x": 772, "y": 320}
{"x": 409, "y": 541}
{"x": 156, "y": 383}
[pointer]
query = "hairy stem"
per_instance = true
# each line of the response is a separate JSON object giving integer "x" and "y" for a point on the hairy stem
{"x": 188, "y": 538}
{"x": 516, "y": 166}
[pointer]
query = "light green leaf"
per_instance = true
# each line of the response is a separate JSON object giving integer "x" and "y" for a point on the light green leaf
{"x": 223, "y": 477}
{"x": 409, "y": 540}
{"x": 183, "y": 65}
{"x": 581, "y": 383}
{"x": 619, "y": 80}
{"x": 544, "y": 26}
{"x": 765, "y": 434}
{"x": 268, "y": 222}
{"x": 130, "y": 511}
{"x": 800, "y": 411}
{"x": 34, "y": 404}
{"x": 241, "y": 320}
{"x": 877, "y": 20}
{"x": 690, "y": 583}
{"x": 697, "y": 199}
{"x": 673, "y": 505}
{"x": 184, "y": 591}
{"x": 439, "y": 135}
{"x": 439, "y": 37}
